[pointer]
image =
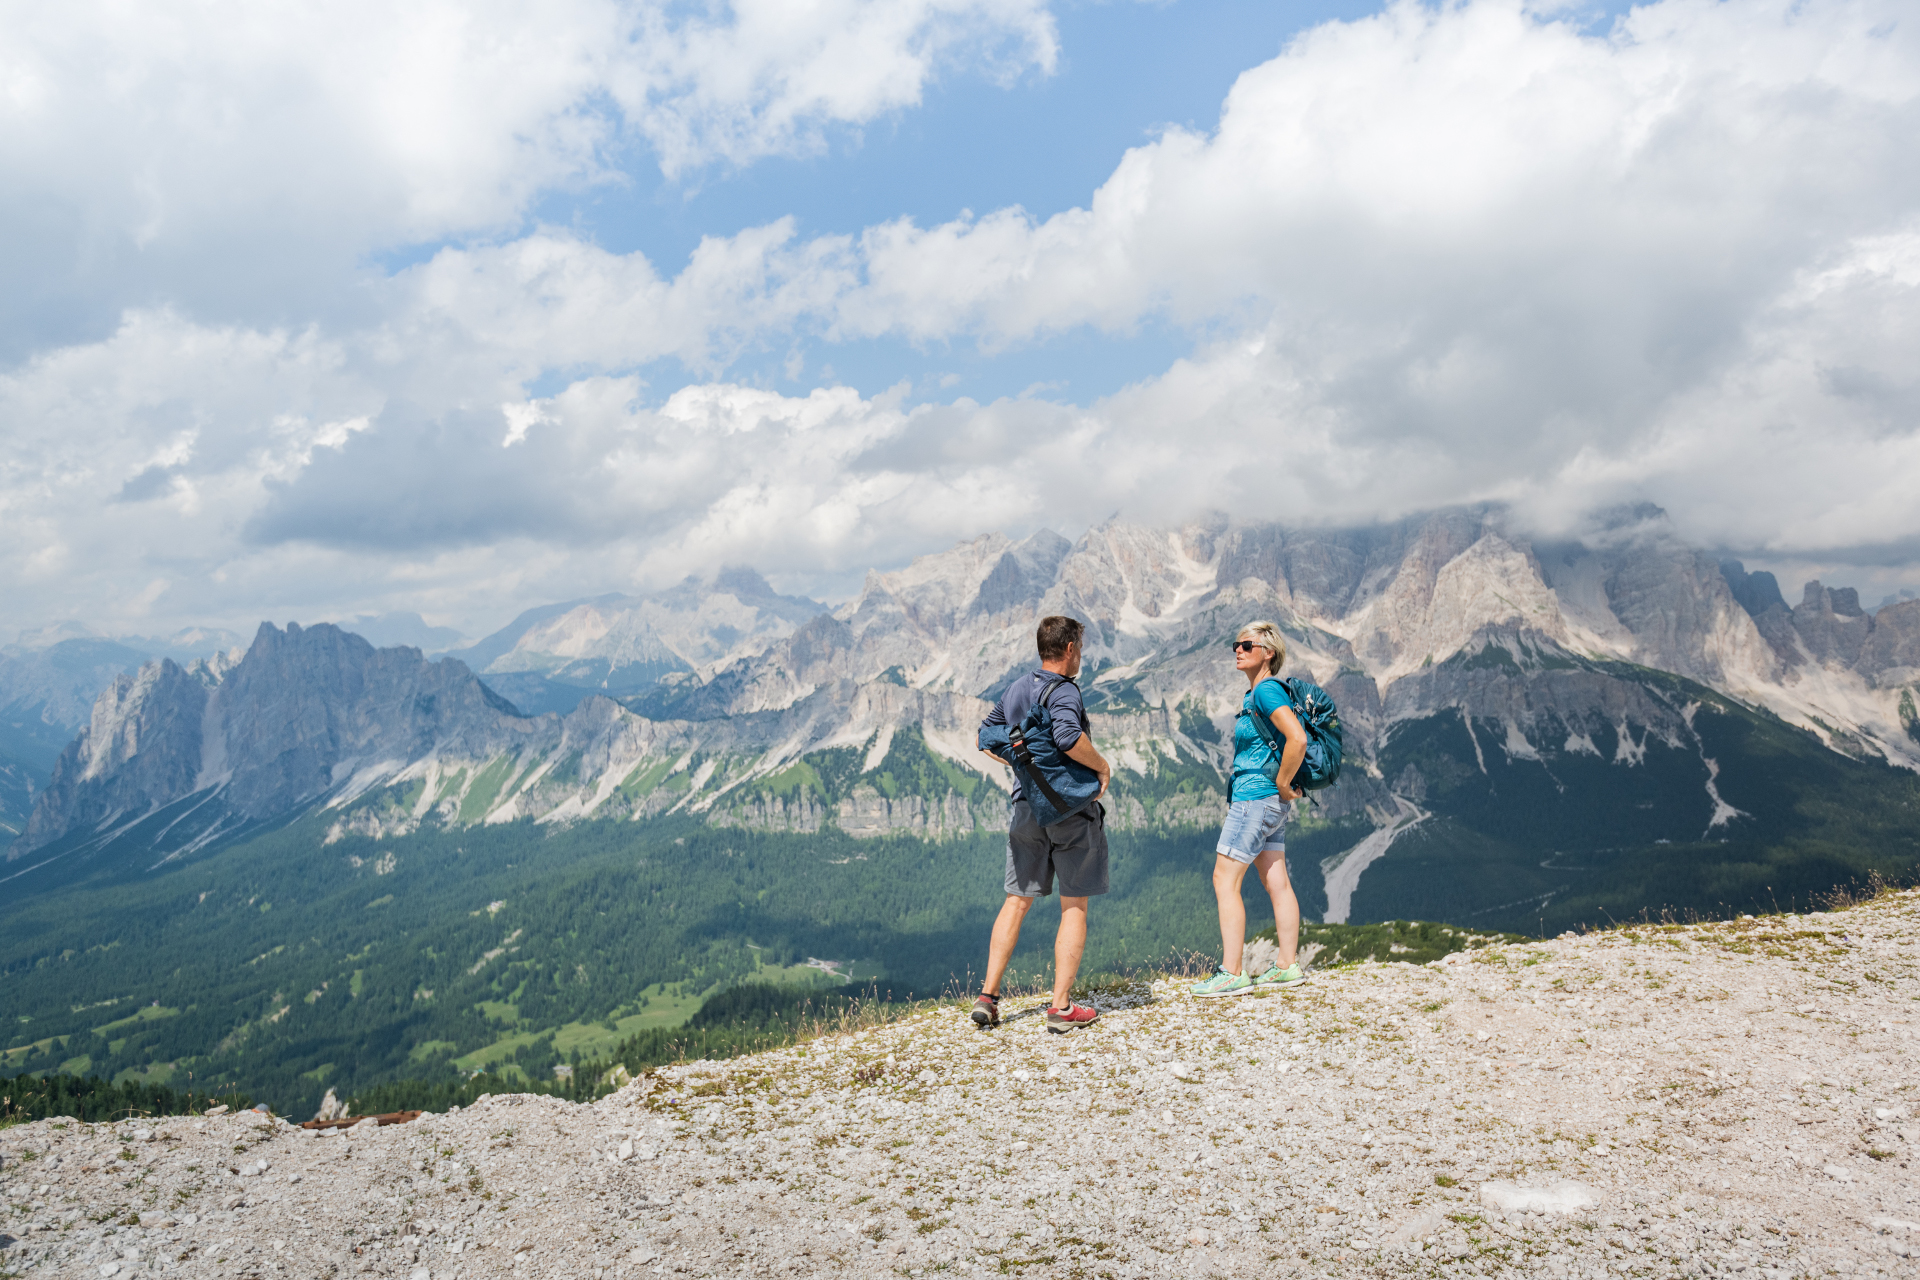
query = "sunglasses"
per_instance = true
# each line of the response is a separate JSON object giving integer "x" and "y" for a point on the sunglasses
{"x": 1245, "y": 646}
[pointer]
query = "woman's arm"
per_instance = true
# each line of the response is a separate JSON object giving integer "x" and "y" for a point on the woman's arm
{"x": 1293, "y": 753}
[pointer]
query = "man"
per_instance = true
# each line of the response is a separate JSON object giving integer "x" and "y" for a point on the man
{"x": 1073, "y": 849}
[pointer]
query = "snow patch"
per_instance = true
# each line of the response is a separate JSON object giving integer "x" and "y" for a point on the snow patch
{"x": 1629, "y": 752}
{"x": 1580, "y": 744}
{"x": 1723, "y": 813}
{"x": 1478, "y": 756}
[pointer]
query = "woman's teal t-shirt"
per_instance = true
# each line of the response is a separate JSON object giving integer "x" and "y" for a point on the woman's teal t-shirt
{"x": 1251, "y": 754}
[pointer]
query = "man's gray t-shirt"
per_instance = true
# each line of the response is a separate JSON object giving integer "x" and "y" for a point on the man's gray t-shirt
{"x": 1063, "y": 702}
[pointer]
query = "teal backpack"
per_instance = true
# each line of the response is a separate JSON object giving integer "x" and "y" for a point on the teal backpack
{"x": 1321, "y": 719}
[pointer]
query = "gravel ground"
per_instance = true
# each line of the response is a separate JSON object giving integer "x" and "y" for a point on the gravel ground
{"x": 1730, "y": 1098}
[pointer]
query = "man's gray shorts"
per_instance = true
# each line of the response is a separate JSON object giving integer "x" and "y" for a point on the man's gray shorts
{"x": 1074, "y": 849}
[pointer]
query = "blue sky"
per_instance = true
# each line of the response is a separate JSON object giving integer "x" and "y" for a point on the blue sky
{"x": 458, "y": 308}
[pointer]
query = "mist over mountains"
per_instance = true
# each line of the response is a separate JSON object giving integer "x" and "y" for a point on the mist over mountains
{"x": 1501, "y": 695}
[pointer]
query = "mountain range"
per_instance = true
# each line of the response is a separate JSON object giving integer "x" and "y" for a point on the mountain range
{"x": 1473, "y": 666}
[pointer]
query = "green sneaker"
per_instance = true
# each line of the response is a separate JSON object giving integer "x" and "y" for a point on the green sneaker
{"x": 1291, "y": 976}
{"x": 1223, "y": 983}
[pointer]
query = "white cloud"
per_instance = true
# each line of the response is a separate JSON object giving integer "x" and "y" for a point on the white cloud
{"x": 1428, "y": 257}
{"x": 237, "y": 158}
{"x": 1467, "y": 252}
{"x": 769, "y": 79}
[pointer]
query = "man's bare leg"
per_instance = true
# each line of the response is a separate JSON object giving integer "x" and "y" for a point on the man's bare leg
{"x": 1006, "y": 936}
{"x": 1068, "y": 946}
{"x": 1271, "y": 867}
{"x": 1227, "y": 875}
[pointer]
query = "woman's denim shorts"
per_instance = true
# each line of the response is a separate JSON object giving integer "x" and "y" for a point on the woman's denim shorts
{"x": 1254, "y": 826}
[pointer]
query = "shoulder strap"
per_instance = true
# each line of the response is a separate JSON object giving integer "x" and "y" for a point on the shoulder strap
{"x": 1047, "y": 689}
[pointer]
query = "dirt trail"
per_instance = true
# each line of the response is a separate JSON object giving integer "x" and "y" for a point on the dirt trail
{"x": 1735, "y": 1098}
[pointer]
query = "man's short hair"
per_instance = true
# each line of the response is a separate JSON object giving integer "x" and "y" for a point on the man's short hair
{"x": 1054, "y": 634}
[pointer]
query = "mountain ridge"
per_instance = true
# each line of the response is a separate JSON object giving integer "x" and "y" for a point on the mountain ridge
{"x": 862, "y": 716}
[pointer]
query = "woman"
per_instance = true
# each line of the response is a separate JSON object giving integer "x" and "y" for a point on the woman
{"x": 1257, "y": 811}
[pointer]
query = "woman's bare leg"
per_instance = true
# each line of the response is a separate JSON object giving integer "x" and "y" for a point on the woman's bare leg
{"x": 1227, "y": 875}
{"x": 1271, "y": 867}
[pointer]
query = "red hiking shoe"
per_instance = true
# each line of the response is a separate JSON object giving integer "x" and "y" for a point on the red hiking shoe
{"x": 986, "y": 1010}
{"x": 1061, "y": 1021}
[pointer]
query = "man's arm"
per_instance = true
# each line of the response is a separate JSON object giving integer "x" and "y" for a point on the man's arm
{"x": 1070, "y": 715}
{"x": 1082, "y": 752}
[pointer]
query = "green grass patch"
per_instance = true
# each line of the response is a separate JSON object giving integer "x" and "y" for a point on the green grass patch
{"x": 486, "y": 787}
{"x": 645, "y": 777}
{"x": 147, "y": 1013}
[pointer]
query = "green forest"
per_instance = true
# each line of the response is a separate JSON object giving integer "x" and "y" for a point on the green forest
{"x": 290, "y": 965}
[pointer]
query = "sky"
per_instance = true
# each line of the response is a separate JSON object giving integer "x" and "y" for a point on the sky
{"x": 459, "y": 308}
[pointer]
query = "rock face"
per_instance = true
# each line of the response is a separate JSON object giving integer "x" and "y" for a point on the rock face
{"x": 757, "y": 710}
{"x": 141, "y": 750}
{"x": 1726, "y": 1098}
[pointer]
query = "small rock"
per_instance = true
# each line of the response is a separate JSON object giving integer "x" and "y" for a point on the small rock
{"x": 626, "y": 1149}
{"x": 1839, "y": 1173}
{"x": 1196, "y": 1236}
{"x": 293, "y": 1177}
{"x": 421, "y": 1273}
{"x": 109, "y": 1268}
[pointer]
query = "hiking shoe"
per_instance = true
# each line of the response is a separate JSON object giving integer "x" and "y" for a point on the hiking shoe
{"x": 1064, "y": 1020}
{"x": 1291, "y": 976}
{"x": 986, "y": 1010}
{"x": 1223, "y": 983}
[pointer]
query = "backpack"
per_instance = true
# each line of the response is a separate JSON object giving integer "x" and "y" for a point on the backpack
{"x": 1063, "y": 787}
{"x": 1321, "y": 719}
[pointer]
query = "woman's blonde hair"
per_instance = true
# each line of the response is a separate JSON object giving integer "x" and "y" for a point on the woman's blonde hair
{"x": 1268, "y": 637}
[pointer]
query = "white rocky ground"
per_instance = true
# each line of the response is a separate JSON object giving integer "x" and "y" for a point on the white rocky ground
{"x": 1732, "y": 1098}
